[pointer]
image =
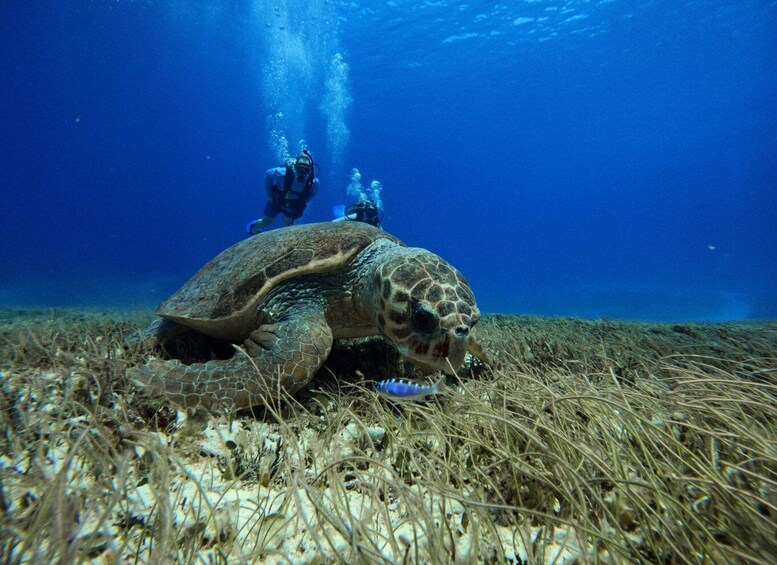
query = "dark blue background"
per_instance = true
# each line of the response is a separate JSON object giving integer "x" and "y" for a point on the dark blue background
{"x": 595, "y": 159}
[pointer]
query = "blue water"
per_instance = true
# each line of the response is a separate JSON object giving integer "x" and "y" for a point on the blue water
{"x": 572, "y": 157}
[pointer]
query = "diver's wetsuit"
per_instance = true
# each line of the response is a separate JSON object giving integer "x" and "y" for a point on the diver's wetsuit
{"x": 285, "y": 194}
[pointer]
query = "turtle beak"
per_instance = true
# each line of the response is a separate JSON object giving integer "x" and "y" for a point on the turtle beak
{"x": 445, "y": 352}
{"x": 457, "y": 349}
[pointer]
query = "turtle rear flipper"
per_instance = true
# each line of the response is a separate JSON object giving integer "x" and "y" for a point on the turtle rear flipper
{"x": 275, "y": 358}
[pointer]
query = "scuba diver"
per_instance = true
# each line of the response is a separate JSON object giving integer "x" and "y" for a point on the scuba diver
{"x": 363, "y": 211}
{"x": 289, "y": 189}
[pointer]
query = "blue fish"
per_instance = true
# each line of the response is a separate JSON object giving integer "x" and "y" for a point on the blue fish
{"x": 404, "y": 389}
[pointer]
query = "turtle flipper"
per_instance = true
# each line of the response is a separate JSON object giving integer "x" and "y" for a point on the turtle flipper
{"x": 276, "y": 357}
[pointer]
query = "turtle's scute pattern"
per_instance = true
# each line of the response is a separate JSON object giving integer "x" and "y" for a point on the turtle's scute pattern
{"x": 286, "y": 294}
{"x": 241, "y": 275}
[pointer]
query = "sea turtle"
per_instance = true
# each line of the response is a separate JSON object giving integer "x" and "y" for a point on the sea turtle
{"x": 286, "y": 294}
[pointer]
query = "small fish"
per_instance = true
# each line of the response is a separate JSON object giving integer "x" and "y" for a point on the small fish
{"x": 404, "y": 389}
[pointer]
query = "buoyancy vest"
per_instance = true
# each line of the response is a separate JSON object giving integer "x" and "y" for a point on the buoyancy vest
{"x": 289, "y": 201}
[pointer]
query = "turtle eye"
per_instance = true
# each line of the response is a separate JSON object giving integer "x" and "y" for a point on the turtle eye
{"x": 423, "y": 320}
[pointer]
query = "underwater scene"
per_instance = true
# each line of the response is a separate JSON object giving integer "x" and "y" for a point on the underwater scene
{"x": 396, "y": 281}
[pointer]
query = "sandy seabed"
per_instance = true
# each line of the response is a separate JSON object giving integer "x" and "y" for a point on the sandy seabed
{"x": 585, "y": 441}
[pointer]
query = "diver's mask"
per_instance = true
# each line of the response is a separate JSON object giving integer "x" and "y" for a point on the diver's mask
{"x": 303, "y": 166}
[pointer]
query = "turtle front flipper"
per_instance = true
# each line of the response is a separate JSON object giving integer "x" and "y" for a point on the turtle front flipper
{"x": 277, "y": 357}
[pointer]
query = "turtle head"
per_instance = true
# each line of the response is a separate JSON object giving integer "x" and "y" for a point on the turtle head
{"x": 425, "y": 308}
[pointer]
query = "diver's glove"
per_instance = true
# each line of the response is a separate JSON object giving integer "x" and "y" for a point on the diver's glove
{"x": 252, "y": 228}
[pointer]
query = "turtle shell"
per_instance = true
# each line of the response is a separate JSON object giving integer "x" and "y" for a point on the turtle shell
{"x": 221, "y": 298}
